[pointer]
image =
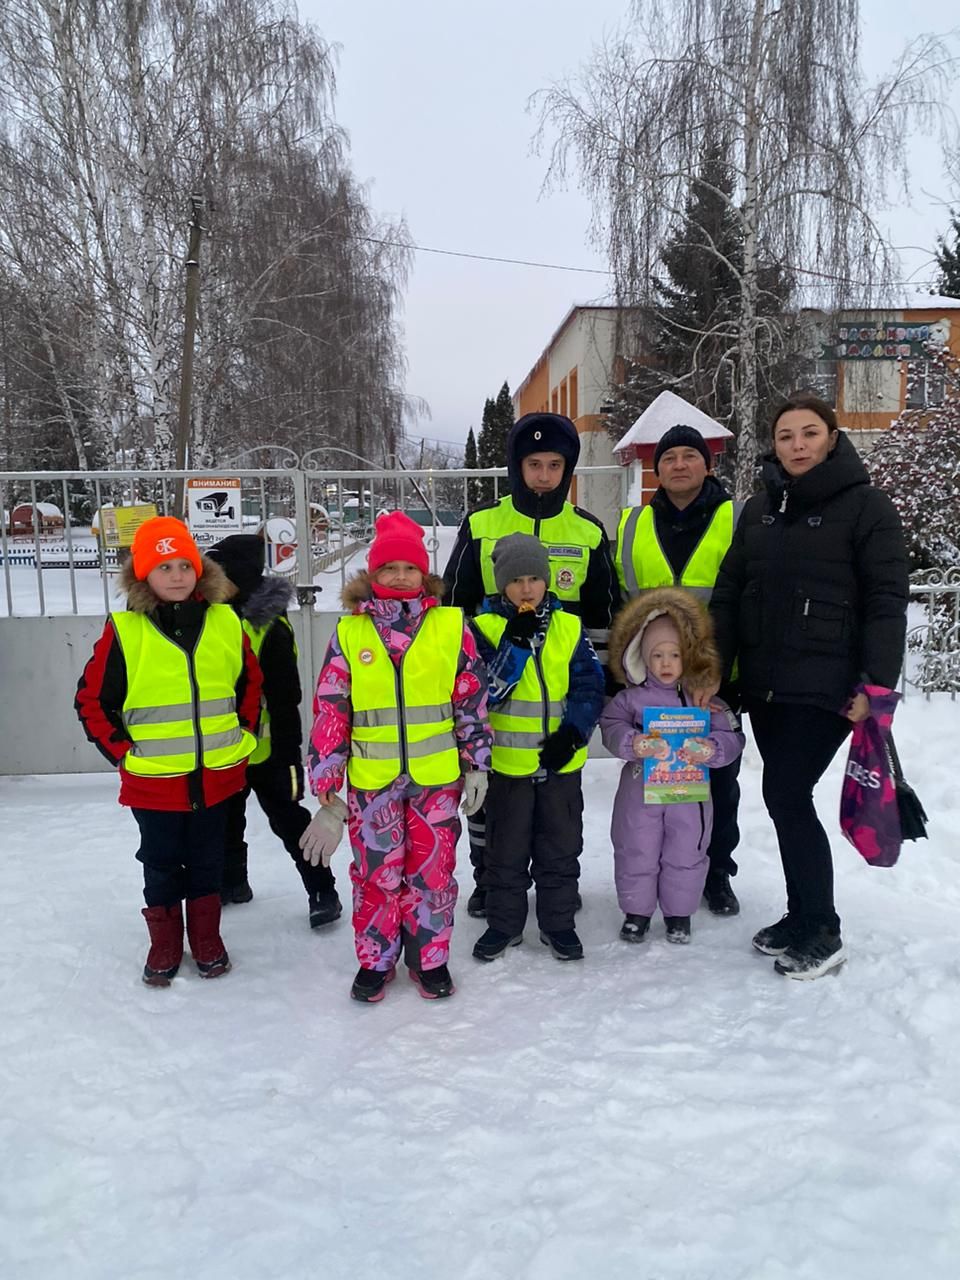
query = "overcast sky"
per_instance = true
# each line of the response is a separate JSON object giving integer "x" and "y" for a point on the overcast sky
{"x": 433, "y": 95}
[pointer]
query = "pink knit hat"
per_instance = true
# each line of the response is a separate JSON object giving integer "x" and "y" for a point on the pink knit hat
{"x": 397, "y": 537}
{"x": 659, "y": 629}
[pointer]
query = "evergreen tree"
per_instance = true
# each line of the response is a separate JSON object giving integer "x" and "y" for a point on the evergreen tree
{"x": 471, "y": 462}
{"x": 690, "y": 338}
{"x": 948, "y": 260}
{"x": 492, "y": 445}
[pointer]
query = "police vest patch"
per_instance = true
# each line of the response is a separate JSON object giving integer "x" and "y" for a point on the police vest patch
{"x": 565, "y": 553}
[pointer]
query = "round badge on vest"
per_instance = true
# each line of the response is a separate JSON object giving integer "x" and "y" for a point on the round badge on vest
{"x": 565, "y": 579}
{"x": 365, "y": 656}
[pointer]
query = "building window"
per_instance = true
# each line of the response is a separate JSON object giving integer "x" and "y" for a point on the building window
{"x": 925, "y": 386}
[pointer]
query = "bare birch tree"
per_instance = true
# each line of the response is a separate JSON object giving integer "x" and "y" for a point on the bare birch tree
{"x": 113, "y": 112}
{"x": 813, "y": 152}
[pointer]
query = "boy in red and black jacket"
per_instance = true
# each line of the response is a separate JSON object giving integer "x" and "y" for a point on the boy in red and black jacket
{"x": 171, "y": 696}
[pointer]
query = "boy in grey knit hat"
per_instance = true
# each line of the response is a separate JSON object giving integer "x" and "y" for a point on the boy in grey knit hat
{"x": 546, "y": 694}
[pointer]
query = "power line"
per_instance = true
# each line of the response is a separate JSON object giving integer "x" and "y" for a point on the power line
{"x": 600, "y": 271}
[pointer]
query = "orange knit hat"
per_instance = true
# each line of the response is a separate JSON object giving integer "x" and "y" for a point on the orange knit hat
{"x": 159, "y": 539}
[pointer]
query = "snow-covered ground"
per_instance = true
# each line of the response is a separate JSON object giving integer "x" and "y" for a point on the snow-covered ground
{"x": 656, "y": 1112}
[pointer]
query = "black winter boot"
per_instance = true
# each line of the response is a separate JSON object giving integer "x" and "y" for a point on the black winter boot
{"x": 494, "y": 943}
{"x": 325, "y": 907}
{"x": 634, "y": 928}
{"x": 236, "y": 887}
{"x": 370, "y": 985}
{"x": 477, "y": 904}
{"x": 678, "y": 928}
{"x": 564, "y": 943}
{"x": 719, "y": 896}
{"x": 433, "y": 984}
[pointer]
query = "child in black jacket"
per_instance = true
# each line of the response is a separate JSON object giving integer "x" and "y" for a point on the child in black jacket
{"x": 275, "y": 770}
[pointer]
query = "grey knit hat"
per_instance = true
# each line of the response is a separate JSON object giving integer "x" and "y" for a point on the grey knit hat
{"x": 519, "y": 555}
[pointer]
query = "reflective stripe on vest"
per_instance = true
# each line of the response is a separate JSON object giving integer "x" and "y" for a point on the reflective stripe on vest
{"x": 257, "y": 635}
{"x": 182, "y": 706}
{"x": 402, "y": 716}
{"x": 642, "y": 564}
{"x": 535, "y": 708}
{"x": 568, "y": 539}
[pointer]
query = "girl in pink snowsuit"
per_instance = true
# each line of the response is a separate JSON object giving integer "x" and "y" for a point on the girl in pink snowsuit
{"x": 661, "y": 646}
{"x": 403, "y": 834}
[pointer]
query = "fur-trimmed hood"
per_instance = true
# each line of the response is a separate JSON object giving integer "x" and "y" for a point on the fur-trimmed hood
{"x": 359, "y": 588}
{"x": 213, "y": 585}
{"x": 267, "y": 601}
{"x": 701, "y": 664}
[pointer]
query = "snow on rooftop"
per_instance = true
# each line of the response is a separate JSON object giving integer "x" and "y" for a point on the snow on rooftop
{"x": 669, "y": 410}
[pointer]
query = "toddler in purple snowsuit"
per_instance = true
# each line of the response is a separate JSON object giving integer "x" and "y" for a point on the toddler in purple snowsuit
{"x": 661, "y": 646}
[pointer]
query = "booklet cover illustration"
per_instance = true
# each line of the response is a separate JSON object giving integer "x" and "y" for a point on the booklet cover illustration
{"x": 674, "y": 775}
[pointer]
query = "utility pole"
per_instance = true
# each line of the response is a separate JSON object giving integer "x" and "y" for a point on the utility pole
{"x": 192, "y": 265}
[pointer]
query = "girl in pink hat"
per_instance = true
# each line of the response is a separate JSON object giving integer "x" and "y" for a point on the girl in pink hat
{"x": 400, "y": 711}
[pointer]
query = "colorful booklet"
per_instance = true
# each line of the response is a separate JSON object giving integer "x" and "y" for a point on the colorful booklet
{"x": 674, "y": 776}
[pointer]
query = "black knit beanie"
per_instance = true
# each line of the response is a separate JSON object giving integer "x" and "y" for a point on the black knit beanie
{"x": 681, "y": 437}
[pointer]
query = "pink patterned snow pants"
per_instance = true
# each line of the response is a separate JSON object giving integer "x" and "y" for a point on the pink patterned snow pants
{"x": 404, "y": 841}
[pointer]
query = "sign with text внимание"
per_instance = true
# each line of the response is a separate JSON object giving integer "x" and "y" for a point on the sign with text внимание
{"x": 878, "y": 342}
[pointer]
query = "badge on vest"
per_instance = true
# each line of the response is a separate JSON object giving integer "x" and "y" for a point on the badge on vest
{"x": 565, "y": 553}
{"x": 565, "y": 579}
{"x": 365, "y": 656}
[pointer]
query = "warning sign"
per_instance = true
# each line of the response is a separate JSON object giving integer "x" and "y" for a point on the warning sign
{"x": 117, "y": 525}
{"x": 213, "y": 509}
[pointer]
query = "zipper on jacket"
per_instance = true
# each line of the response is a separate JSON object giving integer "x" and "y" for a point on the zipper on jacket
{"x": 401, "y": 719}
{"x": 543, "y": 689}
{"x": 806, "y": 607}
{"x": 703, "y": 821}
{"x": 191, "y": 667}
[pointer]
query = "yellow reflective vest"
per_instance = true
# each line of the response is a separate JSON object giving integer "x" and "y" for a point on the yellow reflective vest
{"x": 403, "y": 715}
{"x": 181, "y": 708}
{"x": 568, "y": 539}
{"x": 535, "y": 706}
{"x": 257, "y": 635}
{"x": 642, "y": 564}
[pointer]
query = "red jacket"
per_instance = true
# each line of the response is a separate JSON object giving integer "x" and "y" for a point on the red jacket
{"x": 103, "y": 689}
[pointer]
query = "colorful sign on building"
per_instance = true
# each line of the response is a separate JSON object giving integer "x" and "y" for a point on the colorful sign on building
{"x": 878, "y": 342}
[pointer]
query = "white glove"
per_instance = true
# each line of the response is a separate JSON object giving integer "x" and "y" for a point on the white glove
{"x": 320, "y": 840}
{"x": 474, "y": 791}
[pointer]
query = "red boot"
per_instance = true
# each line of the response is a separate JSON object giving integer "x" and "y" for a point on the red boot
{"x": 203, "y": 930}
{"x": 166, "y": 944}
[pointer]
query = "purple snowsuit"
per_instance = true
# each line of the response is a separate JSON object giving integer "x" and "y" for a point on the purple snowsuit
{"x": 659, "y": 850}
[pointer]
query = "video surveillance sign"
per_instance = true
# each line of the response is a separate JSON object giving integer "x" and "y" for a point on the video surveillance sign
{"x": 213, "y": 509}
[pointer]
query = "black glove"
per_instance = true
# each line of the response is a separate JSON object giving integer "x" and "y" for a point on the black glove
{"x": 559, "y": 748}
{"x": 522, "y": 627}
{"x": 282, "y": 781}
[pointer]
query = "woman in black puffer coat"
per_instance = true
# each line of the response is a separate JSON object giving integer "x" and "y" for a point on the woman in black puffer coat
{"x": 810, "y": 601}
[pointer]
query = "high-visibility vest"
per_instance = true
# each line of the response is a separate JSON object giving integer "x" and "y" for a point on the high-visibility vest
{"x": 642, "y": 564}
{"x": 568, "y": 539}
{"x": 535, "y": 706}
{"x": 257, "y": 635}
{"x": 181, "y": 708}
{"x": 403, "y": 715}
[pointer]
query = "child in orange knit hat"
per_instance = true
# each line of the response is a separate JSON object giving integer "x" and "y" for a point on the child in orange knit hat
{"x": 171, "y": 696}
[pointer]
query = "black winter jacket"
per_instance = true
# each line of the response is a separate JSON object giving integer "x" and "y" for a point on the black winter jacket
{"x": 811, "y": 598}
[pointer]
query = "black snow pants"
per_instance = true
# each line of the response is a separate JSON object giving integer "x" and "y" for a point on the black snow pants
{"x": 534, "y": 834}
{"x": 182, "y": 853}
{"x": 288, "y": 820}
